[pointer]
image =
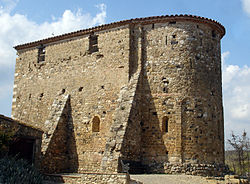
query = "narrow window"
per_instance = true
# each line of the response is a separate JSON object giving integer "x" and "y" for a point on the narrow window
{"x": 93, "y": 43}
{"x": 213, "y": 34}
{"x": 96, "y": 124}
{"x": 165, "y": 124}
{"x": 41, "y": 54}
{"x": 172, "y": 22}
{"x": 153, "y": 26}
{"x": 166, "y": 40}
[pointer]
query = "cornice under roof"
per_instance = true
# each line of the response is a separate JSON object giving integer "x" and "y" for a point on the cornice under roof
{"x": 145, "y": 20}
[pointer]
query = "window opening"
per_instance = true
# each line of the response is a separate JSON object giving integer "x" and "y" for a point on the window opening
{"x": 165, "y": 124}
{"x": 93, "y": 43}
{"x": 213, "y": 34}
{"x": 172, "y": 22}
{"x": 96, "y": 124}
{"x": 41, "y": 54}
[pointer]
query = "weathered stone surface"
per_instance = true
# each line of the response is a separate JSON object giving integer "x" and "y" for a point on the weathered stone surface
{"x": 153, "y": 88}
{"x": 90, "y": 178}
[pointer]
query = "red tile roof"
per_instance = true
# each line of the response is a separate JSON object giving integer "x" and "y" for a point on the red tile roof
{"x": 146, "y": 20}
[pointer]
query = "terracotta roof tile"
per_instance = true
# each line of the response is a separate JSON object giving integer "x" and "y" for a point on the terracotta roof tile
{"x": 144, "y": 20}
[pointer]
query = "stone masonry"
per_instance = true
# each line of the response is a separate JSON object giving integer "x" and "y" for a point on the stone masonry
{"x": 144, "y": 92}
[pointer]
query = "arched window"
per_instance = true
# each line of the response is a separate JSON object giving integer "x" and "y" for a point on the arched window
{"x": 165, "y": 124}
{"x": 96, "y": 124}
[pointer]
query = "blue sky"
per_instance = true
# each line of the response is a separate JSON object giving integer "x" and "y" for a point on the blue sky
{"x": 28, "y": 20}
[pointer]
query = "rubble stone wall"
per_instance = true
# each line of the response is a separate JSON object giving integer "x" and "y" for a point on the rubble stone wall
{"x": 173, "y": 115}
{"x": 182, "y": 87}
{"x": 93, "y": 80}
{"x": 89, "y": 178}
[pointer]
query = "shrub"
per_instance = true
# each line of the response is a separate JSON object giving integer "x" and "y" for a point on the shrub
{"x": 13, "y": 171}
{"x": 6, "y": 137}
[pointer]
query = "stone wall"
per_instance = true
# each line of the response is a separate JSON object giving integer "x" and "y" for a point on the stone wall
{"x": 182, "y": 87}
{"x": 146, "y": 93}
{"x": 215, "y": 170}
{"x": 89, "y": 78}
{"x": 101, "y": 178}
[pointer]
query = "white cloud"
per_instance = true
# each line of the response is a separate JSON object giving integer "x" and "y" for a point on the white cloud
{"x": 17, "y": 29}
{"x": 246, "y": 6}
{"x": 236, "y": 94}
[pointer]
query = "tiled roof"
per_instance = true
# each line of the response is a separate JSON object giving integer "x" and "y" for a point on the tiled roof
{"x": 145, "y": 20}
{"x": 19, "y": 122}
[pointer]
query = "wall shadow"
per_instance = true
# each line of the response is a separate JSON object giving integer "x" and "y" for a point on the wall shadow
{"x": 71, "y": 143}
{"x": 144, "y": 147}
{"x": 61, "y": 155}
{"x": 153, "y": 150}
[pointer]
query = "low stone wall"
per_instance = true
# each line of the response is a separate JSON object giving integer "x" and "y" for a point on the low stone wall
{"x": 196, "y": 169}
{"x": 100, "y": 178}
{"x": 189, "y": 169}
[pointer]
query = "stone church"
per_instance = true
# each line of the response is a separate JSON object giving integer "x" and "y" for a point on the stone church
{"x": 144, "y": 93}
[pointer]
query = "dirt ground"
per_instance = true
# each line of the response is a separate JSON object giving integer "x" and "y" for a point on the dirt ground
{"x": 173, "y": 179}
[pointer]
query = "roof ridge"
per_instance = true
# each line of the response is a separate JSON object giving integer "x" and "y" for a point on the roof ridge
{"x": 116, "y": 24}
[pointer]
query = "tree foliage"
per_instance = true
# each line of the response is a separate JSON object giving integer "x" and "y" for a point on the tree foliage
{"x": 6, "y": 137}
{"x": 240, "y": 153}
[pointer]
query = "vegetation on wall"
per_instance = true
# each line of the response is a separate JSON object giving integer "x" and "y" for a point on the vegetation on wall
{"x": 6, "y": 137}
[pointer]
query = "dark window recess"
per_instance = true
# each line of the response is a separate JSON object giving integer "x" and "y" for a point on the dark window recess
{"x": 165, "y": 124}
{"x": 41, "y": 54}
{"x": 154, "y": 113}
{"x": 213, "y": 34}
{"x": 153, "y": 26}
{"x": 172, "y": 22}
{"x": 40, "y": 96}
{"x": 93, "y": 43}
{"x": 174, "y": 36}
{"x": 173, "y": 42}
{"x": 23, "y": 148}
{"x": 197, "y": 57}
{"x": 165, "y": 89}
{"x": 166, "y": 40}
